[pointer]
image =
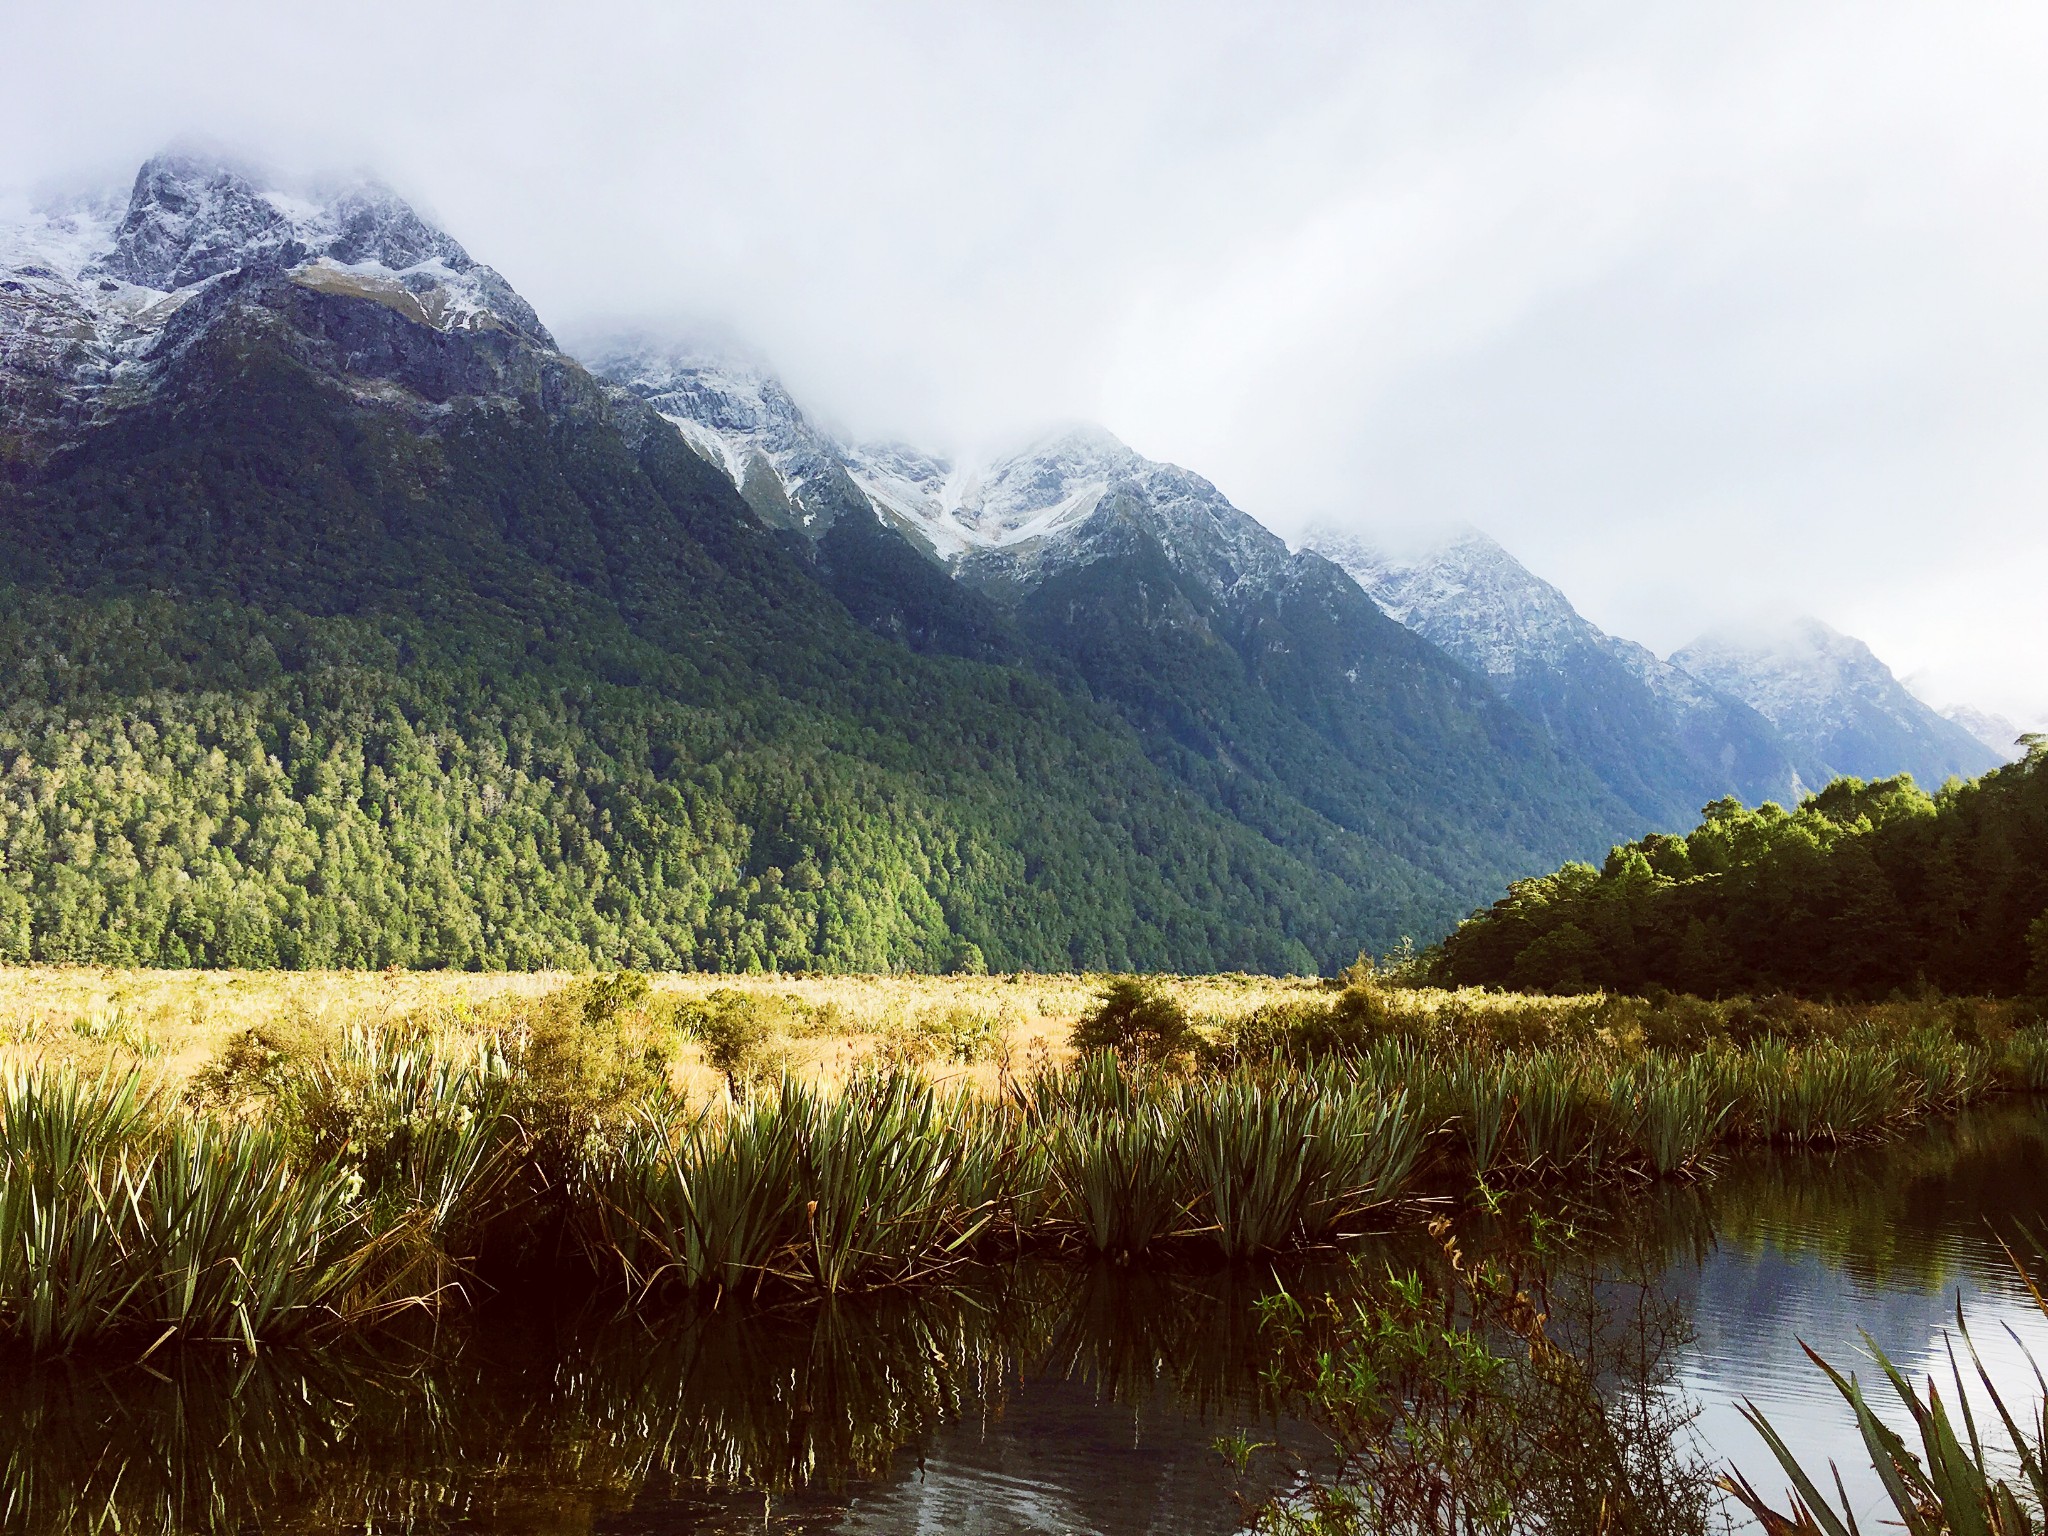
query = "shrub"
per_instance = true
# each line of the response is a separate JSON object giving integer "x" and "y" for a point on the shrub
{"x": 1362, "y": 1015}
{"x": 1482, "y": 1106}
{"x": 1671, "y": 1111}
{"x": 1288, "y": 1157}
{"x": 582, "y": 1062}
{"x": 1139, "y": 1021}
{"x": 959, "y": 1034}
{"x": 1307, "y": 1029}
{"x": 735, "y": 1031}
{"x": 254, "y": 1063}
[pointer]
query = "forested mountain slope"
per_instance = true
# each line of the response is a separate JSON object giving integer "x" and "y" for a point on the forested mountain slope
{"x": 347, "y": 621}
{"x": 1261, "y": 679}
{"x": 1865, "y": 889}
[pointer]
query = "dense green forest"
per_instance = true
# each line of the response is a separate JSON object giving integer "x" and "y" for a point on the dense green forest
{"x": 354, "y": 643}
{"x": 1864, "y": 890}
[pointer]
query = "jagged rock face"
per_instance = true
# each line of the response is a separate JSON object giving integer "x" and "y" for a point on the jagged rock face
{"x": 1838, "y": 705}
{"x": 745, "y": 423}
{"x": 187, "y": 222}
{"x": 88, "y": 293}
{"x": 1661, "y": 739}
{"x": 382, "y": 229}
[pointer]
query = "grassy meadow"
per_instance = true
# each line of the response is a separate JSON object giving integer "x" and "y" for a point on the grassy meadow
{"x": 248, "y": 1156}
{"x": 822, "y": 1027}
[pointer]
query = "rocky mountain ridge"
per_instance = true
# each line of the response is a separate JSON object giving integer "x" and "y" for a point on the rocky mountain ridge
{"x": 296, "y": 461}
{"x": 1008, "y": 523}
{"x": 1662, "y": 739}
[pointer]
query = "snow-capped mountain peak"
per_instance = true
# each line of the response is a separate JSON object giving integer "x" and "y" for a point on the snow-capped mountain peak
{"x": 87, "y": 287}
{"x": 1997, "y": 732}
{"x": 188, "y": 219}
{"x": 1664, "y": 740}
{"x": 1784, "y": 669}
{"x": 1031, "y": 494}
{"x": 742, "y": 420}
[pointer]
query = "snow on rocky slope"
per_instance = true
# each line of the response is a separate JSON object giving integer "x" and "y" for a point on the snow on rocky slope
{"x": 744, "y": 422}
{"x": 1838, "y": 705}
{"x": 1469, "y": 596}
{"x": 88, "y": 288}
{"x": 1010, "y": 521}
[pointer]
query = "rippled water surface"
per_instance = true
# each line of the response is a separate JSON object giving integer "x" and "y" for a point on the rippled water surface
{"x": 1882, "y": 1240}
{"x": 1045, "y": 1400}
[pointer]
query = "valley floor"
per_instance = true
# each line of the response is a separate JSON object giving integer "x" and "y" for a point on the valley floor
{"x": 175, "y": 1022}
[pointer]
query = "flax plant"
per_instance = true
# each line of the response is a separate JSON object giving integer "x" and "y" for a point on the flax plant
{"x": 1672, "y": 1111}
{"x": 878, "y": 1167}
{"x": 1122, "y": 1178}
{"x": 234, "y": 1242}
{"x": 1959, "y": 1482}
{"x": 1259, "y": 1152}
{"x": 710, "y": 1202}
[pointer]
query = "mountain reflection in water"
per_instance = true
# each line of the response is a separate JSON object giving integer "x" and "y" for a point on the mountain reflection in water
{"x": 1039, "y": 1399}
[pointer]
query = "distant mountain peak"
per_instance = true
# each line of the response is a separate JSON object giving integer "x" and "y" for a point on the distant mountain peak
{"x": 1466, "y": 593}
{"x": 1659, "y": 738}
{"x": 1839, "y": 705}
{"x": 1993, "y": 730}
{"x": 1800, "y": 663}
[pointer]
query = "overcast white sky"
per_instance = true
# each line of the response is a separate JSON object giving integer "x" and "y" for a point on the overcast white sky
{"x": 1703, "y": 311}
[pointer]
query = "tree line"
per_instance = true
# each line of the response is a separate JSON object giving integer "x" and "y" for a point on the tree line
{"x": 1864, "y": 890}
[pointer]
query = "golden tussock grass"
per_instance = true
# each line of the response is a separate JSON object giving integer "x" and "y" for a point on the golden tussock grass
{"x": 176, "y": 1021}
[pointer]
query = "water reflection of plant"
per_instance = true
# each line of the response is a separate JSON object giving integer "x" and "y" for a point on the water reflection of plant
{"x": 509, "y": 1425}
{"x": 1886, "y": 1213}
{"x": 1492, "y": 1395}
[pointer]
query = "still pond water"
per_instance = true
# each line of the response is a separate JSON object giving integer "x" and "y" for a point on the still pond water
{"x": 1049, "y": 1401}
